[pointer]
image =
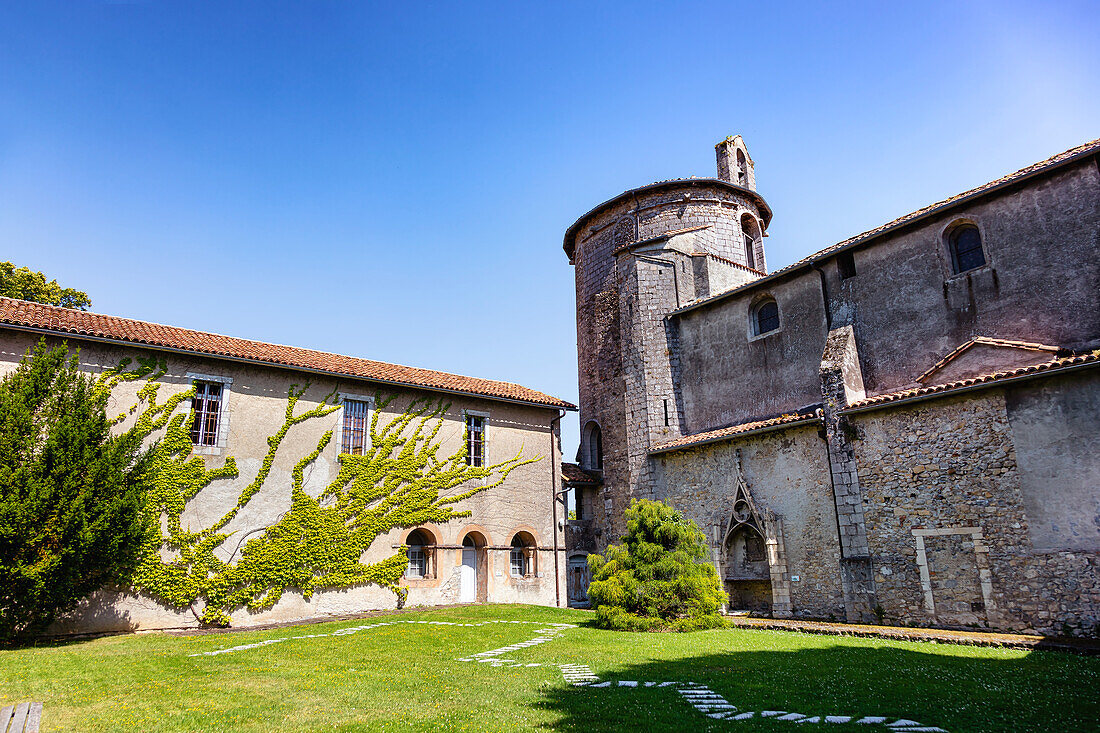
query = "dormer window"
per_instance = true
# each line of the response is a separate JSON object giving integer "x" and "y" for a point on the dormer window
{"x": 965, "y": 243}
{"x": 765, "y": 317}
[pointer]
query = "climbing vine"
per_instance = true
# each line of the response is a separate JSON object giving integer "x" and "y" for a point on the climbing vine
{"x": 399, "y": 481}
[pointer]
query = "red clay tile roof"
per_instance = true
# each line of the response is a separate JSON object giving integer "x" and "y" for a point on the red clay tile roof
{"x": 993, "y": 379}
{"x": 573, "y": 474}
{"x": 1051, "y": 162}
{"x": 20, "y": 313}
{"x": 712, "y": 436}
{"x": 979, "y": 340}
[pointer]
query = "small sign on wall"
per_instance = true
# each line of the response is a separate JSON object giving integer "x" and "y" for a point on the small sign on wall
{"x": 796, "y": 578}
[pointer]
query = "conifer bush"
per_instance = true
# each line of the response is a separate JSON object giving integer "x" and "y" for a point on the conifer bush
{"x": 71, "y": 493}
{"x": 655, "y": 578}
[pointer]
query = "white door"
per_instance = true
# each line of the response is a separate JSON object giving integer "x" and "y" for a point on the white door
{"x": 467, "y": 589}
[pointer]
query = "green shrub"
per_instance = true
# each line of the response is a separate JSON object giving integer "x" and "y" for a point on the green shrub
{"x": 655, "y": 579}
{"x": 70, "y": 492}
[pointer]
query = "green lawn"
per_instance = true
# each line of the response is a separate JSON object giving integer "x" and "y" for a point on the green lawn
{"x": 407, "y": 676}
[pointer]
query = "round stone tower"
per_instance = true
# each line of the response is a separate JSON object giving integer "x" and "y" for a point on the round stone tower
{"x": 639, "y": 257}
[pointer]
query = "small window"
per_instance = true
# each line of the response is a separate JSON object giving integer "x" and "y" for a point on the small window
{"x": 750, "y": 231}
{"x": 966, "y": 248}
{"x": 420, "y": 551}
{"x": 519, "y": 559}
{"x": 593, "y": 441}
{"x": 845, "y": 265}
{"x": 766, "y": 318}
{"x": 742, "y": 176}
{"x": 353, "y": 429}
{"x": 206, "y": 406}
{"x": 475, "y": 440}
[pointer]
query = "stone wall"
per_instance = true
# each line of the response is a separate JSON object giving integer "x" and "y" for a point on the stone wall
{"x": 906, "y": 305}
{"x": 787, "y": 474}
{"x": 634, "y": 265}
{"x": 948, "y": 527}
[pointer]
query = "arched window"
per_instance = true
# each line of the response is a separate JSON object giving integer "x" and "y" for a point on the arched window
{"x": 421, "y": 547}
{"x": 593, "y": 442}
{"x": 521, "y": 559}
{"x": 751, "y": 232}
{"x": 742, "y": 169}
{"x": 765, "y": 317}
{"x": 965, "y": 243}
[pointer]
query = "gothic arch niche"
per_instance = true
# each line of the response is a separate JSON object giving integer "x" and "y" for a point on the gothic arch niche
{"x": 752, "y": 557}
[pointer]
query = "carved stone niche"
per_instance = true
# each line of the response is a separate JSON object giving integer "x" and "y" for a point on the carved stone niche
{"x": 751, "y": 558}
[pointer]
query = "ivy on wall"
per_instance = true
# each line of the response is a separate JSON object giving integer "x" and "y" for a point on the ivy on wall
{"x": 399, "y": 481}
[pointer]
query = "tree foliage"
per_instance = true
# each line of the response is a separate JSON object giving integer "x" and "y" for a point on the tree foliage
{"x": 655, "y": 578}
{"x": 71, "y": 494}
{"x": 26, "y": 284}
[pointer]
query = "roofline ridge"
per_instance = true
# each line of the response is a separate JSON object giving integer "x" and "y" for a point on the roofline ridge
{"x": 80, "y": 331}
{"x": 1049, "y": 163}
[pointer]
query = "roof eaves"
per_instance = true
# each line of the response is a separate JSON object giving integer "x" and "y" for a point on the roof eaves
{"x": 988, "y": 381}
{"x": 1087, "y": 150}
{"x": 720, "y": 436}
{"x": 571, "y": 232}
{"x": 555, "y": 404}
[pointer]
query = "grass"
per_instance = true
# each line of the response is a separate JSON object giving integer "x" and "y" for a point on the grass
{"x": 407, "y": 677}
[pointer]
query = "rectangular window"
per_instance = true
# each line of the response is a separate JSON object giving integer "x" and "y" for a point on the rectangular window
{"x": 475, "y": 440}
{"x": 206, "y": 406}
{"x": 418, "y": 563}
{"x": 518, "y": 563}
{"x": 353, "y": 428}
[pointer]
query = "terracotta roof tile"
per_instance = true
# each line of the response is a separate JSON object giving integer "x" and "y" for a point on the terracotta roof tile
{"x": 712, "y": 436}
{"x": 980, "y": 340}
{"x": 985, "y": 379}
{"x": 21, "y": 313}
{"x": 574, "y": 474}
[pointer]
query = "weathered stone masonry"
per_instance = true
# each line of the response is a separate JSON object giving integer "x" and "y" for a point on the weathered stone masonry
{"x": 974, "y": 502}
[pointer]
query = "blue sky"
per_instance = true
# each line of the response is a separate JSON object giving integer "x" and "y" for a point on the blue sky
{"x": 393, "y": 180}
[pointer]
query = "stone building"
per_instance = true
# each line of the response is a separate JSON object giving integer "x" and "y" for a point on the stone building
{"x": 510, "y": 548}
{"x": 903, "y": 426}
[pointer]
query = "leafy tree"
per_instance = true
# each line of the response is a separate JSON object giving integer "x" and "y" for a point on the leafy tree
{"x": 71, "y": 494}
{"x": 25, "y": 284}
{"x": 655, "y": 578}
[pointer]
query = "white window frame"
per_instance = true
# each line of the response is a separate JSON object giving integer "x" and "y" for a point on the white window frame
{"x": 417, "y": 552}
{"x": 513, "y": 555}
{"x": 484, "y": 437}
{"x": 223, "y": 413}
{"x": 339, "y": 432}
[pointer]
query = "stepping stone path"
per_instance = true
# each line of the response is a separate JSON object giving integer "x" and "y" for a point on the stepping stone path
{"x": 697, "y": 695}
{"x": 22, "y": 718}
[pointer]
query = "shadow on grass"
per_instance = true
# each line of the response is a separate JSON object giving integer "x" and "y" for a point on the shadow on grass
{"x": 957, "y": 689}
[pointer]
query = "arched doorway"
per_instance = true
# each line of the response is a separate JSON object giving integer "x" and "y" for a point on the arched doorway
{"x": 472, "y": 571}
